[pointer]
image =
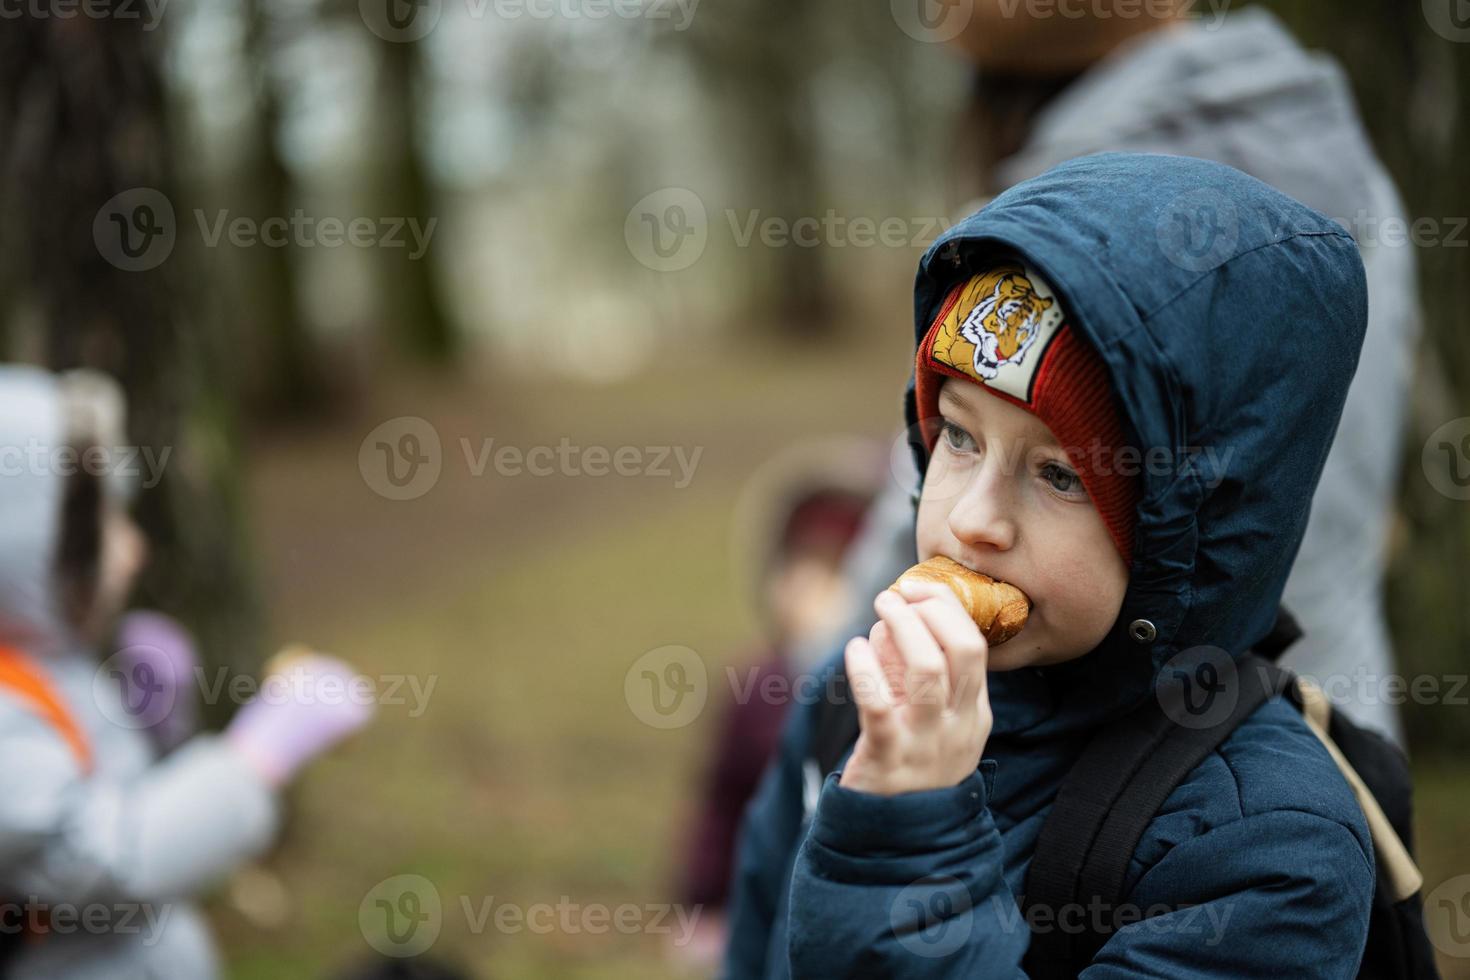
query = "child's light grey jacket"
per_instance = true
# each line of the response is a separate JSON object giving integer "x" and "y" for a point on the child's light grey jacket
{"x": 115, "y": 856}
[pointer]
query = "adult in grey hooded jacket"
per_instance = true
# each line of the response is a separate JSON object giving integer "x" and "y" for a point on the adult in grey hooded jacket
{"x": 1243, "y": 92}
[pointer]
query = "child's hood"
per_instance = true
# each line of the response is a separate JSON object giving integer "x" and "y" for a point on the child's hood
{"x": 38, "y": 413}
{"x": 1230, "y": 318}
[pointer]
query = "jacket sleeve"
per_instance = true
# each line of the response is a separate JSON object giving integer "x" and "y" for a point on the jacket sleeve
{"x": 913, "y": 886}
{"x": 164, "y": 833}
{"x": 904, "y": 886}
{"x": 770, "y": 833}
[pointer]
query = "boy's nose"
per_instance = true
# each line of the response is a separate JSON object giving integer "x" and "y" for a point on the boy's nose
{"x": 982, "y": 514}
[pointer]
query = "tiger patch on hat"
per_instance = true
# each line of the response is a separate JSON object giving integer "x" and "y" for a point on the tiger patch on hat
{"x": 998, "y": 329}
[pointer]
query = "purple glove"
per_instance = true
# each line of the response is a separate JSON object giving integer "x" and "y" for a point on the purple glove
{"x": 154, "y": 666}
{"x": 308, "y": 703}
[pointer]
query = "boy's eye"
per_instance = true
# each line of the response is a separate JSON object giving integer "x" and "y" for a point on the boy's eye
{"x": 956, "y": 438}
{"x": 1062, "y": 479}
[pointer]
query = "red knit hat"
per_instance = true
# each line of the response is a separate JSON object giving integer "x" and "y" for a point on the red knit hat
{"x": 1005, "y": 330}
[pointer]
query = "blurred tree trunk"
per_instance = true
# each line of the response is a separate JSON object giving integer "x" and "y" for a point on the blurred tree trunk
{"x": 414, "y": 314}
{"x": 781, "y": 142}
{"x": 286, "y": 378}
{"x": 756, "y": 59}
{"x": 86, "y": 119}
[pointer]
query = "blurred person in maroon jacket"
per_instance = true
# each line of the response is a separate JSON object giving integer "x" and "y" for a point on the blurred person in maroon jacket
{"x": 802, "y": 593}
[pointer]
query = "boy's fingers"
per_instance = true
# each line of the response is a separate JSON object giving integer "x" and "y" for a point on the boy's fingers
{"x": 914, "y": 589}
{"x": 869, "y": 690}
{"x": 963, "y": 645}
{"x": 889, "y": 660}
{"x": 926, "y": 672}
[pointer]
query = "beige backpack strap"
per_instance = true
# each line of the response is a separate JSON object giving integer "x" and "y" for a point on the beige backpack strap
{"x": 1403, "y": 874}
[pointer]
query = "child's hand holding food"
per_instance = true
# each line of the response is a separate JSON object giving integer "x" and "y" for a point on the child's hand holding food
{"x": 919, "y": 678}
{"x": 308, "y": 703}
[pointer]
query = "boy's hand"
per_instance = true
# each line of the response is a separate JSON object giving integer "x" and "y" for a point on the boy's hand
{"x": 919, "y": 683}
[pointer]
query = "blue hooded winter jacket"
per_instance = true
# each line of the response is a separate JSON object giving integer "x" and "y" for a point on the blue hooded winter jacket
{"x": 1229, "y": 317}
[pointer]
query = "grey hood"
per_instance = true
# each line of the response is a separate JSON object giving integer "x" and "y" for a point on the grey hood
{"x": 40, "y": 414}
{"x": 1241, "y": 92}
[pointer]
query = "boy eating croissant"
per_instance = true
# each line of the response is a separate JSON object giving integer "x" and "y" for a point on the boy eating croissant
{"x": 1123, "y": 416}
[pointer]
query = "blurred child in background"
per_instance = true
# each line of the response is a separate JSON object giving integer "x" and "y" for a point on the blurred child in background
{"x": 810, "y": 520}
{"x": 104, "y": 843}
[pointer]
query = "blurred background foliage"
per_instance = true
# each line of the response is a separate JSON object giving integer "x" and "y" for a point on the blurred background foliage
{"x": 527, "y": 141}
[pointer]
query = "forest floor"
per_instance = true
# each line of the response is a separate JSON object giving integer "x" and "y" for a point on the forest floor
{"x": 508, "y": 609}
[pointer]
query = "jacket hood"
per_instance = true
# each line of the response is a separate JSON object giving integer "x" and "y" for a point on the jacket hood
{"x": 1230, "y": 319}
{"x": 42, "y": 418}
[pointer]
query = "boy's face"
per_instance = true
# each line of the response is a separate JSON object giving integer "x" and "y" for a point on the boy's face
{"x": 1001, "y": 498}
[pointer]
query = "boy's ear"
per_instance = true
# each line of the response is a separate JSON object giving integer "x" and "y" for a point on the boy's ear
{"x": 79, "y": 543}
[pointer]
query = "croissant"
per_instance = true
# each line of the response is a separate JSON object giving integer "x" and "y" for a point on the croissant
{"x": 999, "y": 609}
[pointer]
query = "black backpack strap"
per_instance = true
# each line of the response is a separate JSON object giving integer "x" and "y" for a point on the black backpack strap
{"x": 1284, "y": 632}
{"x": 1107, "y": 801}
{"x": 836, "y": 726}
